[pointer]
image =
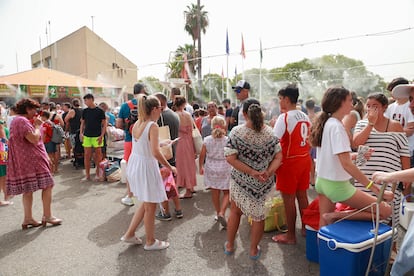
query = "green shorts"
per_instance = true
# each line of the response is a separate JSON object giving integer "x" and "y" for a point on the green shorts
{"x": 2, "y": 170}
{"x": 337, "y": 191}
{"x": 92, "y": 142}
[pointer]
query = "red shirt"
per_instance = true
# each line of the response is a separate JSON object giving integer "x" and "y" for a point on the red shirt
{"x": 47, "y": 132}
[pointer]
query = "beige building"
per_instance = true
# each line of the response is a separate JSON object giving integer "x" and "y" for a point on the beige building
{"x": 85, "y": 54}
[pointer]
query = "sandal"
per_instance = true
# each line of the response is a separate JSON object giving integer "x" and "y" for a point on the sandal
{"x": 227, "y": 252}
{"x": 157, "y": 245}
{"x": 257, "y": 256}
{"x": 6, "y": 203}
{"x": 222, "y": 221}
{"x": 132, "y": 240}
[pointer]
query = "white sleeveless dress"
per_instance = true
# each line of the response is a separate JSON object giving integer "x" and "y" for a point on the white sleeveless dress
{"x": 143, "y": 172}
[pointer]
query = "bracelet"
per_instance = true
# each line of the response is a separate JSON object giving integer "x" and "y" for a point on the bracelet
{"x": 371, "y": 124}
{"x": 369, "y": 185}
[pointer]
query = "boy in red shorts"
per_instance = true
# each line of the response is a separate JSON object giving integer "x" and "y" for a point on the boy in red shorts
{"x": 292, "y": 128}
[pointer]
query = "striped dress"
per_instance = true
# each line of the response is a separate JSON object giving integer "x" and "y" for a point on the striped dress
{"x": 389, "y": 148}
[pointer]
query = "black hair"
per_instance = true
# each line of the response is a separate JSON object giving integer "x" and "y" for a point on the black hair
{"x": 252, "y": 108}
{"x": 88, "y": 96}
{"x": 291, "y": 91}
{"x": 379, "y": 97}
{"x": 395, "y": 82}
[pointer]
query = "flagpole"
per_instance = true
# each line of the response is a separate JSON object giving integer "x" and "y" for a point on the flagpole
{"x": 227, "y": 53}
{"x": 260, "y": 73}
{"x": 243, "y": 56}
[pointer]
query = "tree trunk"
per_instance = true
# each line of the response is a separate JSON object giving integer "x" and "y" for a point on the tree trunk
{"x": 200, "y": 81}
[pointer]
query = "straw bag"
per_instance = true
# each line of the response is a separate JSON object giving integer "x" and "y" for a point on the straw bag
{"x": 163, "y": 135}
{"x": 275, "y": 218}
{"x": 197, "y": 139}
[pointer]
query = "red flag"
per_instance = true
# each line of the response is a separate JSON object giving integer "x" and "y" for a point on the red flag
{"x": 184, "y": 71}
{"x": 243, "y": 53}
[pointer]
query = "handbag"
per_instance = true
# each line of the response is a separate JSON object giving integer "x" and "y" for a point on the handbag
{"x": 164, "y": 134}
{"x": 197, "y": 139}
{"x": 4, "y": 151}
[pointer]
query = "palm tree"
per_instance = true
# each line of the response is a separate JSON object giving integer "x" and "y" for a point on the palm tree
{"x": 177, "y": 64}
{"x": 196, "y": 21}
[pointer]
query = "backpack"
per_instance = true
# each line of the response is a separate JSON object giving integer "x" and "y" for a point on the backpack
{"x": 58, "y": 134}
{"x": 132, "y": 117}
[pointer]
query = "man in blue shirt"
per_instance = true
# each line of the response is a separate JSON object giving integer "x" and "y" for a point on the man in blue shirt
{"x": 121, "y": 122}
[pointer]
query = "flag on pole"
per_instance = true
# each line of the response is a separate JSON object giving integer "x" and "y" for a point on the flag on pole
{"x": 261, "y": 52}
{"x": 243, "y": 53}
{"x": 185, "y": 70}
{"x": 227, "y": 43}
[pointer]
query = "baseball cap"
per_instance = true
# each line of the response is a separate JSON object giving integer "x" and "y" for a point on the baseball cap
{"x": 402, "y": 91}
{"x": 241, "y": 84}
{"x": 138, "y": 87}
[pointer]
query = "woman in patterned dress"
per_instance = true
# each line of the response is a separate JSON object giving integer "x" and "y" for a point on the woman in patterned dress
{"x": 27, "y": 175}
{"x": 216, "y": 170}
{"x": 254, "y": 153}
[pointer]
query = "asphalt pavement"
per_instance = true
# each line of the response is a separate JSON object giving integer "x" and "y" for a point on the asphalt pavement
{"x": 87, "y": 243}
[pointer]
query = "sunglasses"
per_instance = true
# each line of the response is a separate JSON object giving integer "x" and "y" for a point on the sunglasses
{"x": 238, "y": 90}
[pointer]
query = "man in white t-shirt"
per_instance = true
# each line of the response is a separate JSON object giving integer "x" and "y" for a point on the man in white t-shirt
{"x": 242, "y": 89}
{"x": 400, "y": 111}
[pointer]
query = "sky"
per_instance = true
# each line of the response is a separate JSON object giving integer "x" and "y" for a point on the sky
{"x": 147, "y": 32}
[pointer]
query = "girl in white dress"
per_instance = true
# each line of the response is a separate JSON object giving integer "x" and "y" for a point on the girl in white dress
{"x": 143, "y": 172}
{"x": 216, "y": 170}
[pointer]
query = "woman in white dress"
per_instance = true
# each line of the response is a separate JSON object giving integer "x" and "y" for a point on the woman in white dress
{"x": 143, "y": 172}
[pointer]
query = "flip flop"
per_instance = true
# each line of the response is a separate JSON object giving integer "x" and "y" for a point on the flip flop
{"x": 185, "y": 197}
{"x": 6, "y": 203}
{"x": 227, "y": 252}
{"x": 257, "y": 256}
{"x": 157, "y": 245}
{"x": 282, "y": 239}
{"x": 222, "y": 221}
{"x": 132, "y": 240}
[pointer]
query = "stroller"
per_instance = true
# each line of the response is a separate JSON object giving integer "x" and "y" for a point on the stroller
{"x": 78, "y": 152}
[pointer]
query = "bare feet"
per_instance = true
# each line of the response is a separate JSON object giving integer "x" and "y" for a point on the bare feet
{"x": 283, "y": 239}
{"x": 329, "y": 218}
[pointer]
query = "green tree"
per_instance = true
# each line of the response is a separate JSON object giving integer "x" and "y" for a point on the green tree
{"x": 196, "y": 21}
{"x": 213, "y": 88}
{"x": 152, "y": 84}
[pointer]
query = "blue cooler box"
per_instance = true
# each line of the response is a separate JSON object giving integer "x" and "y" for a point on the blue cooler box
{"x": 345, "y": 248}
{"x": 312, "y": 251}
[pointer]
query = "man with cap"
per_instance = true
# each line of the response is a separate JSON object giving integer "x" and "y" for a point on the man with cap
{"x": 400, "y": 111}
{"x": 121, "y": 122}
{"x": 242, "y": 89}
{"x": 404, "y": 261}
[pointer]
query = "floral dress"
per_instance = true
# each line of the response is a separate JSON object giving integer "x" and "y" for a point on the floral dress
{"x": 25, "y": 175}
{"x": 257, "y": 150}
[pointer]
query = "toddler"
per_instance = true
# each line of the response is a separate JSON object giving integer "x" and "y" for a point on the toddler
{"x": 172, "y": 193}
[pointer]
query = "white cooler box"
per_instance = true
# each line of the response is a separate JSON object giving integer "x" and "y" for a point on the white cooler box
{"x": 406, "y": 213}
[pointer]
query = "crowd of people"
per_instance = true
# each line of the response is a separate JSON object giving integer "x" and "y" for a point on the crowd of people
{"x": 248, "y": 151}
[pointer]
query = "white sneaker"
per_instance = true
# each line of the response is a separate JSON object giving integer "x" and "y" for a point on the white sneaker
{"x": 128, "y": 201}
